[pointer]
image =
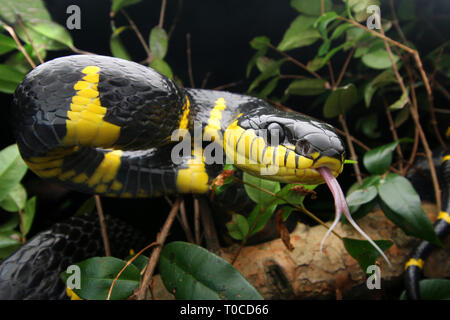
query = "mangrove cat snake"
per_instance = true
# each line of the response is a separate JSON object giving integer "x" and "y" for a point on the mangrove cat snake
{"x": 107, "y": 126}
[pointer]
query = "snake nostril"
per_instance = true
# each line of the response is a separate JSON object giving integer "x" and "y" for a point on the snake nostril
{"x": 302, "y": 147}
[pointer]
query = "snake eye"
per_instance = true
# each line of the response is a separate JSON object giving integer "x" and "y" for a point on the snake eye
{"x": 302, "y": 147}
{"x": 275, "y": 134}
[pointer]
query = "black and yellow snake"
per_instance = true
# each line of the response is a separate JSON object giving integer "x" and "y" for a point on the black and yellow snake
{"x": 116, "y": 128}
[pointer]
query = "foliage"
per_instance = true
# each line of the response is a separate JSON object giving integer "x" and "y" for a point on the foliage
{"x": 19, "y": 209}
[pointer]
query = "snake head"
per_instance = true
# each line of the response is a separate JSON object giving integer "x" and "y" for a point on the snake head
{"x": 284, "y": 146}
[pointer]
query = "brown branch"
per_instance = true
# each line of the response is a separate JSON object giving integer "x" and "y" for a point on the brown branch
{"x": 442, "y": 89}
{"x": 394, "y": 135}
{"x": 38, "y": 55}
{"x": 344, "y": 68}
{"x": 185, "y": 224}
{"x": 22, "y": 227}
{"x": 176, "y": 19}
{"x": 20, "y": 46}
{"x": 205, "y": 80}
{"x": 139, "y": 35}
{"x": 353, "y": 155}
{"x": 330, "y": 70}
{"x": 160, "y": 239}
{"x": 197, "y": 220}
{"x": 295, "y": 61}
{"x": 396, "y": 23}
{"x": 101, "y": 218}
{"x": 161, "y": 14}
{"x": 227, "y": 85}
{"x": 322, "y": 7}
{"x": 126, "y": 265}
{"x": 211, "y": 238}
{"x": 188, "y": 52}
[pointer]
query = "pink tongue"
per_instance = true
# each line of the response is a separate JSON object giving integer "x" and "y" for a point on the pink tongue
{"x": 341, "y": 206}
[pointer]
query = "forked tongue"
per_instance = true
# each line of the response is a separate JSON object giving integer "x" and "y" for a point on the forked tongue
{"x": 341, "y": 206}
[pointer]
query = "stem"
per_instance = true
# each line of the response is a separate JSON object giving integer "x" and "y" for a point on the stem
{"x": 22, "y": 227}
{"x": 19, "y": 45}
{"x": 197, "y": 220}
{"x": 139, "y": 35}
{"x": 344, "y": 68}
{"x": 185, "y": 224}
{"x": 161, "y": 15}
{"x": 19, "y": 20}
{"x": 188, "y": 52}
{"x": 102, "y": 225}
{"x": 351, "y": 148}
{"x": 295, "y": 61}
{"x": 160, "y": 239}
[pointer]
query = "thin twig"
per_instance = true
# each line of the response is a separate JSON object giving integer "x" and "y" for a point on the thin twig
{"x": 353, "y": 155}
{"x": 188, "y": 52}
{"x": 197, "y": 220}
{"x": 139, "y": 35}
{"x": 161, "y": 14}
{"x": 20, "y": 46}
{"x": 396, "y": 23}
{"x": 126, "y": 265}
{"x": 322, "y": 7}
{"x": 295, "y": 61}
{"x": 38, "y": 55}
{"x": 330, "y": 70}
{"x": 394, "y": 135}
{"x": 185, "y": 223}
{"x": 176, "y": 19}
{"x": 344, "y": 68}
{"x": 227, "y": 85}
{"x": 22, "y": 227}
{"x": 102, "y": 225}
{"x": 160, "y": 238}
{"x": 211, "y": 238}
{"x": 205, "y": 80}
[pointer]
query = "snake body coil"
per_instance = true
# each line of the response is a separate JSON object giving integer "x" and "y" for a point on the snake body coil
{"x": 104, "y": 125}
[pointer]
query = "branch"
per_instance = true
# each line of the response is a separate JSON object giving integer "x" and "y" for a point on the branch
{"x": 160, "y": 239}
{"x": 102, "y": 225}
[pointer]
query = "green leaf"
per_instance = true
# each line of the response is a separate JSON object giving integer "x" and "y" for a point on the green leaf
{"x": 28, "y": 214}
{"x": 12, "y": 169}
{"x": 30, "y": 11}
{"x": 293, "y": 196}
{"x": 191, "y": 272}
{"x": 362, "y": 196}
{"x": 46, "y": 35}
{"x": 254, "y": 60}
{"x": 401, "y": 117}
{"x": 269, "y": 68}
{"x": 364, "y": 252}
{"x": 9, "y": 242}
{"x": 378, "y": 160}
{"x": 379, "y": 59}
{"x": 368, "y": 125}
{"x": 11, "y": 223}
{"x": 322, "y": 22}
{"x": 162, "y": 67}
{"x": 385, "y": 78}
{"x": 257, "y": 195}
{"x": 7, "y": 44}
{"x": 159, "y": 42}
{"x": 340, "y": 101}
{"x": 401, "y": 204}
{"x": 9, "y": 78}
{"x": 238, "y": 227}
{"x": 318, "y": 62}
{"x": 359, "y": 7}
{"x": 140, "y": 262}
{"x": 97, "y": 275}
{"x": 86, "y": 208}
{"x": 400, "y": 103}
{"x": 299, "y": 34}
{"x": 310, "y": 7}
{"x": 119, "y": 4}
{"x": 260, "y": 215}
{"x": 267, "y": 90}
{"x": 15, "y": 200}
{"x": 340, "y": 30}
{"x": 432, "y": 289}
{"x": 117, "y": 48}
{"x": 307, "y": 87}
{"x": 260, "y": 43}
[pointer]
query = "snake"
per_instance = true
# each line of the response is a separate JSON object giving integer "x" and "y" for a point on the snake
{"x": 116, "y": 128}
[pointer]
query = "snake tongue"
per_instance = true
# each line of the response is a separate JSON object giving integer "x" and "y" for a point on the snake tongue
{"x": 341, "y": 207}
